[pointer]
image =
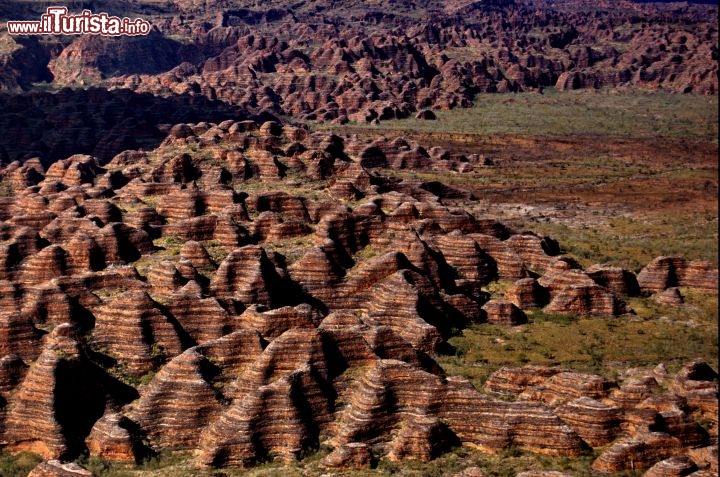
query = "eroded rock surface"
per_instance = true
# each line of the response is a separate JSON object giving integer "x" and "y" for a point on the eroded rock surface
{"x": 252, "y": 289}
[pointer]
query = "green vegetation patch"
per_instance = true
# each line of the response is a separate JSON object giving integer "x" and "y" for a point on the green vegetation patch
{"x": 632, "y": 242}
{"x": 656, "y": 334}
{"x": 18, "y": 465}
{"x": 560, "y": 113}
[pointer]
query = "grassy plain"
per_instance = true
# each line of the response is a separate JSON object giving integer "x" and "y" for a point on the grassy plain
{"x": 616, "y": 177}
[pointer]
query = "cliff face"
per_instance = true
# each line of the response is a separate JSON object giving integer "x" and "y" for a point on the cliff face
{"x": 162, "y": 302}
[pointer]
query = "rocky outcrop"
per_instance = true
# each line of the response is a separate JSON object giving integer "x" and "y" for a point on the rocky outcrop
{"x": 57, "y": 402}
{"x": 668, "y": 272}
{"x": 673, "y": 467}
{"x": 111, "y": 438}
{"x": 619, "y": 281}
{"x": 422, "y": 438}
{"x": 355, "y": 455}
{"x": 492, "y": 425}
{"x": 248, "y": 276}
{"x": 592, "y": 300}
{"x": 504, "y": 313}
{"x": 597, "y": 423}
{"x": 18, "y": 336}
{"x": 273, "y": 323}
{"x": 91, "y": 58}
{"x": 527, "y": 293}
{"x": 564, "y": 387}
{"x": 278, "y": 418}
{"x": 251, "y": 290}
{"x": 203, "y": 319}
{"x": 135, "y": 332}
{"x": 396, "y": 306}
{"x": 12, "y": 372}
{"x": 177, "y": 402}
{"x": 670, "y": 296}
{"x": 513, "y": 381}
{"x": 196, "y": 254}
{"x": 640, "y": 452}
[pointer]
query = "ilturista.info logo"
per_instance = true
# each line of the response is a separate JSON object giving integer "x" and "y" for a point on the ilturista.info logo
{"x": 57, "y": 21}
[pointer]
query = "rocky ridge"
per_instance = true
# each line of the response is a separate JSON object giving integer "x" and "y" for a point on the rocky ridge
{"x": 250, "y": 290}
{"x": 332, "y": 64}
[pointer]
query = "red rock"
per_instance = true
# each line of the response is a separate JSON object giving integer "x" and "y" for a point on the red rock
{"x": 292, "y": 350}
{"x": 535, "y": 251}
{"x": 177, "y": 169}
{"x": 421, "y": 438}
{"x": 639, "y": 421}
{"x": 560, "y": 278}
{"x": 111, "y": 440}
{"x": 672, "y": 467}
{"x": 12, "y": 372}
{"x": 84, "y": 254}
{"x": 706, "y": 402}
{"x": 63, "y": 228}
{"x": 201, "y": 318}
{"x": 634, "y": 453}
{"x": 679, "y": 425}
{"x": 694, "y": 376}
{"x": 268, "y": 419}
{"x": 567, "y": 386}
{"x": 49, "y": 263}
{"x": 232, "y": 353}
{"x": 74, "y": 170}
{"x": 355, "y": 455}
{"x": 254, "y": 285}
{"x": 56, "y": 401}
{"x": 667, "y": 272}
{"x": 464, "y": 255}
{"x": 513, "y": 381}
{"x": 587, "y": 300}
{"x": 122, "y": 244}
{"x": 272, "y": 323}
{"x": 177, "y": 403}
{"x": 701, "y": 274}
{"x": 196, "y": 254}
{"x": 598, "y": 424}
{"x": 133, "y": 330}
{"x": 504, "y": 313}
{"x": 18, "y": 336}
{"x": 385, "y": 395}
{"x": 165, "y": 278}
{"x": 670, "y": 296}
{"x": 387, "y": 344}
{"x": 510, "y": 265}
{"x": 395, "y": 305}
{"x": 317, "y": 273}
{"x": 705, "y": 457}
{"x": 181, "y": 204}
{"x": 527, "y": 293}
{"x": 49, "y": 304}
{"x": 634, "y": 391}
{"x": 494, "y": 425}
